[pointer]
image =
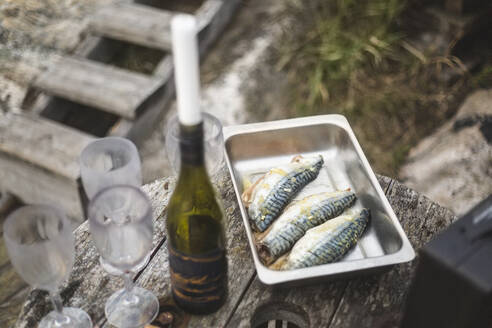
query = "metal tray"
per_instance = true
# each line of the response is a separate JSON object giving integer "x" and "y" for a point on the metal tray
{"x": 252, "y": 149}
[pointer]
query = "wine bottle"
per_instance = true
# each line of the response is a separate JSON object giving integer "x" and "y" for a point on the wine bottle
{"x": 195, "y": 221}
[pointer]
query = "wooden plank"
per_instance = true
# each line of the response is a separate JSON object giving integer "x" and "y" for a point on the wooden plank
{"x": 134, "y": 23}
{"x": 42, "y": 142}
{"x": 39, "y": 160}
{"x": 10, "y": 309}
{"x": 94, "y": 84}
{"x": 89, "y": 286}
{"x": 155, "y": 107}
{"x": 208, "y": 11}
{"x": 212, "y": 17}
{"x": 37, "y": 185}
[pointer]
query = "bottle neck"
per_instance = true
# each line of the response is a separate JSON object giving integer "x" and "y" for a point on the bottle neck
{"x": 191, "y": 145}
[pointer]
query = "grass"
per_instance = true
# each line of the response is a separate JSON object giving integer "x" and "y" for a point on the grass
{"x": 342, "y": 37}
{"x": 357, "y": 60}
{"x": 483, "y": 78}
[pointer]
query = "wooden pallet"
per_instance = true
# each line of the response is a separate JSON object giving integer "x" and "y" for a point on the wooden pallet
{"x": 40, "y": 147}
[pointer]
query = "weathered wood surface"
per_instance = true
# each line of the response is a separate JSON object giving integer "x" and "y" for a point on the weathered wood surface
{"x": 134, "y": 23}
{"x": 371, "y": 301}
{"x": 94, "y": 84}
{"x": 42, "y": 142}
{"x": 48, "y": 174}
{"x": 39, "y": 160}
{"x": 9, "y": 310}
{"x": 15, "y": 291}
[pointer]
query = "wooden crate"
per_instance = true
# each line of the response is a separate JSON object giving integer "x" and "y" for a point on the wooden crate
{"x": 40, "y": 147}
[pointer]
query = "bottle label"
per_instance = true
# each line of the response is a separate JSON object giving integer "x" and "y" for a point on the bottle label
{"x": 198, "y": 279}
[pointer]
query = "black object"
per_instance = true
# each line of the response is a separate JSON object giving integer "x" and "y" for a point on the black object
{"x": 453, "y": 284}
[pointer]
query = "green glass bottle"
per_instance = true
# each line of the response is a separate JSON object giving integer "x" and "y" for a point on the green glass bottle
{"x": 195, "y": 226}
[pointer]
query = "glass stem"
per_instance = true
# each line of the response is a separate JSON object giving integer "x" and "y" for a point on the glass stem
{"x": 130, "y": 298}
{"x": 60, "y": 319}
{"x": 128, "y": 282}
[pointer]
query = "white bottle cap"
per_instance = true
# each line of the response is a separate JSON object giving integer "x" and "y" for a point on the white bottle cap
{"x": 186, "y": 68}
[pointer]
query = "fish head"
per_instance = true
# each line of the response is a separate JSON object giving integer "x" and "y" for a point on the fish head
{"x": 313, "y": 161}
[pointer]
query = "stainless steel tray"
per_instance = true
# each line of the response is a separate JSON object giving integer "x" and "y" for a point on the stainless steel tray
{"x": 253, "y": 149}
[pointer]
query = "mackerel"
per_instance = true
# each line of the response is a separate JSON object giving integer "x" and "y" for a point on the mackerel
{"x": 326, "y": 243}
{"x": 298, "y": 218}
{"x": 267, "y": 198}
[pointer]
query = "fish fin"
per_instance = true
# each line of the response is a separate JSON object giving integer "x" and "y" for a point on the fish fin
{"x": 248, "y": 193}
{"x": 264, "y": 254}
{"x": 279, "y": 263}
{"x": 260, "y": 235}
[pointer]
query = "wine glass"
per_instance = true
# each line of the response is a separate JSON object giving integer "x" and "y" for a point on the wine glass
{"x": 213, "y": 143}
{"x": 106, "y": 162}
{"x": 109, "y": 161}
{"x": 120, "y": 221}
{"x": 40, "y": 245}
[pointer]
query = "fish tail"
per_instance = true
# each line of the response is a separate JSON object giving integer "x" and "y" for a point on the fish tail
{"x": 264, "y": 254}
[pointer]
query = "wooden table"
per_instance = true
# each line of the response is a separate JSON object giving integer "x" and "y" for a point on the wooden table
{"x": 370, "y": 301}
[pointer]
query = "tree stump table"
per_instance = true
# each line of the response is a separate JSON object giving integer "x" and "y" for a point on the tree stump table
{"x": 374, "y": 301}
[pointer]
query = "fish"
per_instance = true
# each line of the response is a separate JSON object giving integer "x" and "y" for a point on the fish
{"x": 268, "y": 196}
{"x": 299, "y": 217}
{"x": 326, "y": 243}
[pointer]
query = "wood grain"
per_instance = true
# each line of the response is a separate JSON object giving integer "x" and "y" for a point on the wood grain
{"x": 371, "y": 301}
{"x": 10, "y": 310}
{"x": 133, "y": 23}
{"x": 94, "y": 84}
{"x": 42, "y": 142}
{"x": 11, "y": 283}
{"x": 39, "y": 160}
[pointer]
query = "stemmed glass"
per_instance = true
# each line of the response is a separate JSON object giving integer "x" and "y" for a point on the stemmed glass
{"x": 109, "y": 161}
{"x": 40, "y": 245}
{"x": 213, "y": 143}
{"x": 120, "y": 221}
{"x": 106, "y": 162}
